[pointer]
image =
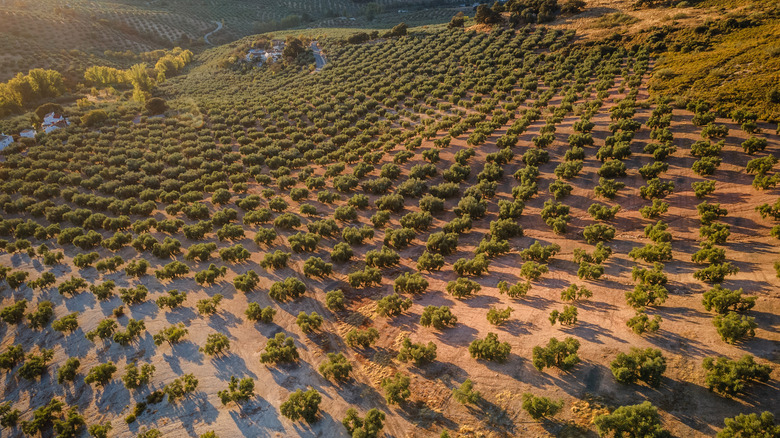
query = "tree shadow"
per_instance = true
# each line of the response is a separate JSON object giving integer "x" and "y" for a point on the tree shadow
{"x": 591, "y": 332}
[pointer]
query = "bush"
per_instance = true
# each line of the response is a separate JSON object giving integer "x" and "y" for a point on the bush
{"x": 438, "y": 317}
{"x": 172, "y": 334}
{"x": 301, "y": 404}
{"x": 309, "y": 323}
{"x": 383, "y": 258}
{"x": 68, "y": 323}
{"x": 754, "y": 144}
{"x": 216, "y": 343}
{"x": 555, "y": 215}
{"x": 598, "y": 233}
{"x": 656, "y": 188}
{"x": 503, "y": 229}
{"x": 602, "y": 213}
{"x": 255, "y": 313}
{"x": 418, "y": 353}
{"x": 368, "y": 277}
{"x": 612, "y": 169}
{"x": 518, "y": 290}
{"x": 316, "y": 267}
{"x": 715, "y": 273}
{"x": 652, "y": 170}
{"x": 733, "y": 329}
{"x": 490, "y": 349}
{"x": 14, "y": 313}
{"x": 100, "y": 374}
{"x": 660, "y": 252}
{"x": 567, "y": 317}
{"x": 463, "y": 287}
{"x": 336, "y": 366}
{"x": 11, "y": 357}
{"x": 279, "y": 349}
{"x": 291, "y": 288}
{"x": 238, "y": 391}
{"x": 475, "y": 266}
{"x": 498, "y": 317}
{"x": 67, "y": 372}
{"x": 541, "y": 407}
{"x": 471, "y": 206}
{"x": 361, "y": 338}
{"x": 442, "y": 243}
{"x": 399, "y": 238}
{"x": 634, "y": 420}
{"x": 655, "y": 210}
{"x": 246, "y": 282}
{"x": 608, "y": 188}
{"x": 410, "y": 283}
{"x": 392, "y": 305}
{"x": 396, "y": 389}
{"x": 646, "y": 365}
{"x": 559, "y": 354}
{"x": 208, "y": 306}
{"x": 356, "y": 236}
{"x": 560, "y": 189}
{"x": 460, "y": 225}
{"x": 42, "y": 315}
{"x": 750, "y": 425}
{"x": 341, "y": 252}
{"x": 430, "y": 262}
{"x": 729, "y": 377}
{"x": 135, "y": 377}
{"x": 368, "y": 427}
{"x": 703, "y": 188}
{"x": 532, "y": 270}
{"x": 716, "y": 233}
{"x": 722, "y": 300}
{"x": 465, "y": 393}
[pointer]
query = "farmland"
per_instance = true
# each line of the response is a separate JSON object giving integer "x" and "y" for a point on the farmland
{"x": 445, "y": 231}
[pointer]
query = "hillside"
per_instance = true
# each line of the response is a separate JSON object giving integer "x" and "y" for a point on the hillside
{"x": 555, "y": 170}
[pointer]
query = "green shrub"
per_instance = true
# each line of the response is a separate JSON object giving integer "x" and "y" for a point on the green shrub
{"x": 393, "y": 305}
{"x": 437, "y": 317}
{"x": 498, "y": 317}
{"x": 750, "y": 425}
{"x": 541, "y": 407}
{"x": 634, "y": 420}
{"x": 302, "y": 404}
{"x": 368, "y": 427}
{"x": 715, "y": 273}
{"x": 567, "y": 317}
{"x": 646, "y": 365}
{"x": 490, "y": 349}
{"x": 733, "y": 329}
{"x": 730, "y": 377}
{"x": 279, "y": 349}
{"x": 641, "y": 323}
{"x": 722, "y": 300}
{"x": 466, "y": 394}
{"x": 361, "y": 338}
{"x": 655, "y": 210}
{"x": 598, "y": 233}
{"x": 559, "y": 354}
{"x": 703, "y": 188}
{"x": 309, "y": 323}
{"x": 290, "y": 288}
{"x": 366, "y": 278}
{"x": 418, "y": 353}
{"x": 396, "y": 389}
{"x": 608, "y": 188}
{"x": 336, "y": 367}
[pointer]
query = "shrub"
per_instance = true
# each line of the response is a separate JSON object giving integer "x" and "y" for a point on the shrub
{"x": 172, "y": 334}
{"x": 463, "y": 287}
{"x": 396, "y": 388}
{"x": 471, "y": 206}
{"x": 532, "y": 270}
{"x": 255, "y": 313}
{"x": 265, "y": 236}
{"x": 475, "y": 266}
{"x": 602, "y": 212}
{"x": 68, "y": 323}
{"x": 399, "y": 238}
{"x": 555, "y": 215}
{"x": 656, "y": 188}
{"x": 172, "y": 300}
{"x": 42, "y": 315}
{"x": 291, "y": 288}
{"x": 641, "y": 323}
{"x": 505, "y": 228}
{"x": 180, "y": 387}
{"x": 652, "y": 170}
{"x": 100, "y": 374}
{"x": 336, "y": 366}
{"x": 567, "y": 317}
{"x": 715, "y": 273}
{"x": 634, "y": 420}
{"x": 279, "y": 349}
{"x": 703, "y": 188}
{"x": 316, "y": 267}
{"x": 646, "y": 365}
{"x": 172, "y": 270}
{"x": 418, "y": 353}
{"x": 356, "y": 236}
{"x": 361, "y": 338}
{"x": 309, "y": 323}
{"x": 341, "y": 252}
{"x": 246, "y": 282}
{"x": 655, "y": 210}
{"x": 303, "y": 242}
{"x": 560, "y": 189}
{"x": 368, "y": 277}
{"x": 392, "y": 305}
{"x": 722, "y": 300}
{"x": 541, "y": 407}
{"x": 238, "y": 391}
{"x": 729, "y": 377}
{"x": 612, "y": 169}
{"x": 216, "y": 344}
{"x": 498, "y": 317}
{"x": 14, "y": 313}
{"x": 287, "y": 221}
{"x": 410, "y": 283}
{"x": 459, "y": 225}
{"x": 383, "y": 258}
{"x": 608, "y": 188}
{"x": 208, "y": 306}
{"x": 750, "y": 425}
{"x": 465, "y": 393}
{"x": 11, "y": 357}
{"x": 650, "y": 253}
{"x": 598, "y": 233}
{"x": 301, "y": 404}
{"x": 442, "y": 243}
{"x": 518, "y": 290}
{"x": 753, "y": 145}
{"x": 368, "y": 427}
{"x": 559, "y": 354}
{"x": 716, "y": 233}
{"x": 210, "y": 275}
{"x": 430, "y": 262}
{"x": 438, "y": 317}
{"x": 134, "y": 376}
{"x": 490, "y": 349}
{"x": 733, "y": 329}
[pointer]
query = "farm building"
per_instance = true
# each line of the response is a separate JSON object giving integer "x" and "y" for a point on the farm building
{"x": 54, "y": 121}
{"x": 27, "y": 133}
{"x": 5, "y": 141}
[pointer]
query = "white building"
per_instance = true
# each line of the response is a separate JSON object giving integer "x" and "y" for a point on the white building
{"x": 27, "y": 133}
{"x": 54, "y": 121}
{"x": 5, "y": 141}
